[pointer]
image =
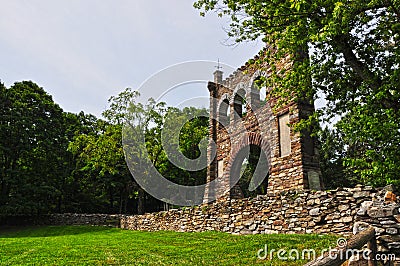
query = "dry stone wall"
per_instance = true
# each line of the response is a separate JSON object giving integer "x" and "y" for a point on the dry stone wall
{"x": 112, "y": 220}
{"x": 302, "y": 211}
{"x": 344, "y": 211}
{"x": 383, "y": 214}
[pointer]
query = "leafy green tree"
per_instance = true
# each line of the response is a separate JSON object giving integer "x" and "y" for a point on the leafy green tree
{"x": 78, "y": 192}
{"x": 185, "y": 131}
{"x": 347, "y": 51}
{"x": 31, "y": 149}
{"x": 151, "y": 128}
{"x": 332, "y": 154}
{"x": 103, "y": 176}
{"x": 102, "y": 171}
{"x": 139, "y": 120}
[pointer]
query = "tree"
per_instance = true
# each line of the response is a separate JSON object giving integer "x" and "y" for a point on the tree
{"x": 332, "y": 154}
{"x": 161, "y": 143}
{"x": 347, "y": 51}
{"x": 31, "y": 149}
{"x": 102, "y": 177}
{"x": 184, "y": 132}
{"x": 101, "y": 169}
{"x": 139, "y": 120}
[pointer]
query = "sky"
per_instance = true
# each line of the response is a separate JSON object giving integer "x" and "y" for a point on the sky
{"x": 83, "y": 52}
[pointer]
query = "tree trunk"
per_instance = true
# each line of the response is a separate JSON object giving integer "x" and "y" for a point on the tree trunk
{"x": 356, "y": 242}
{"x": 141, "y": 201}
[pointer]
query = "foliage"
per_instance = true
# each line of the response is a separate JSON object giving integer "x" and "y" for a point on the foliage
{"x": 90, "y": 245}
{"x": 31, "y": 164}
{"x": 331, "y": 154}
{"x": 347, "y": 51}
{"x": 247, "y": 172}
{"x": 152, "y": 127}
{"x": 185, "y": 131}
{"x": 101, "y": 168}
{"x": 55, "y": 161}
{"x": 101, "y": 165}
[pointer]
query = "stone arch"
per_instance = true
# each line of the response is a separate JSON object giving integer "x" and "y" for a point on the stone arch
{"x": 241, "y": 86}
{"x": 256, "y": 74}
{"x": 250, "y": 138}
{"x": 255, "y": 93}
{"x": 244, "y": 146}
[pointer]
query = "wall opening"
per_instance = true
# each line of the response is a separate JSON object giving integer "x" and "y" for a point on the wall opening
{"x": 249, "y": 171}
{"x": 239, "y": 104}
{"x": 224, "y": 112}
{"x": 263, "y": 96}
{"x": 258, "y": 93}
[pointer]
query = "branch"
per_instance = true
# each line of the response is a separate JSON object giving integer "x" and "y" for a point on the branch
{"x": 356, "y": 242}
{"x": 358, "y": 67}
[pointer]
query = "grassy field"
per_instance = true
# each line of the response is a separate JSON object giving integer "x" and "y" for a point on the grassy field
{"x": 89, "y": 245}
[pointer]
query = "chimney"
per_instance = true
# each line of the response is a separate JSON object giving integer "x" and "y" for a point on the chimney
{"x": 218, "y": 76}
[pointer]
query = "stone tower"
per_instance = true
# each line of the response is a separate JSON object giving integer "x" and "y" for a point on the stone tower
{"x": 241, "y": 121}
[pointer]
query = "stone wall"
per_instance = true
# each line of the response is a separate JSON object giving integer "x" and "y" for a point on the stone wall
{"x": 112, "y": 220}
{"x": 383, "y": 214}
{"x": 341, "y": 211}
{"x": 344, "y": 211}
{"x": 302, "y": 211}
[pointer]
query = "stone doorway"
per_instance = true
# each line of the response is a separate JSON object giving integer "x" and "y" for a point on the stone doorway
{"x": 248, "y": 180}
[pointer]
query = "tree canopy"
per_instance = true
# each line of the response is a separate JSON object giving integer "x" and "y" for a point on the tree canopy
{"x": 346, "y": 51}
{"x": 31, "y": 130}
{"x": 55, "y": 161}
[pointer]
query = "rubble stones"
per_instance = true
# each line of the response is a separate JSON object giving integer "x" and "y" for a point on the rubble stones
{"x": 378, "y": 212}
{"x": 315, "y": 212}
{"x": 300, "y": 211}
{"x": 382, "y": 214}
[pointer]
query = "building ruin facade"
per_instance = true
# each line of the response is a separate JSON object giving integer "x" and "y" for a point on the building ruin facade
{"x": 243, "y": 123}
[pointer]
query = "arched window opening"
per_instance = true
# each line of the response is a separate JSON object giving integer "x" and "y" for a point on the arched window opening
{"x": 224, "y": 112}
{"x": 263, "y": 96}
{"x": 259, "y": 93}
{"x": 250, "y": 172}
{"x": 239, "y": 104}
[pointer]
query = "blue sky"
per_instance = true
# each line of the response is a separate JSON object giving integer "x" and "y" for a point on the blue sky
{"x": 84, "y": 51}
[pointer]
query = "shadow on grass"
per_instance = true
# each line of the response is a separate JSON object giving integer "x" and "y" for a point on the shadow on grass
{"x": 48, "y": 231}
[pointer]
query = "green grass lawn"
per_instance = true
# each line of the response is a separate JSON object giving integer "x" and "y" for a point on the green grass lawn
{"x": 90, "y": 245}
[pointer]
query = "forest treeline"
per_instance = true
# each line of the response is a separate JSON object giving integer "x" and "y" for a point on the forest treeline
{"x": 52, "y": 161}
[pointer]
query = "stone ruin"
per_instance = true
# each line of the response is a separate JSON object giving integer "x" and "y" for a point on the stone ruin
{"x": 243, "y": 122}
